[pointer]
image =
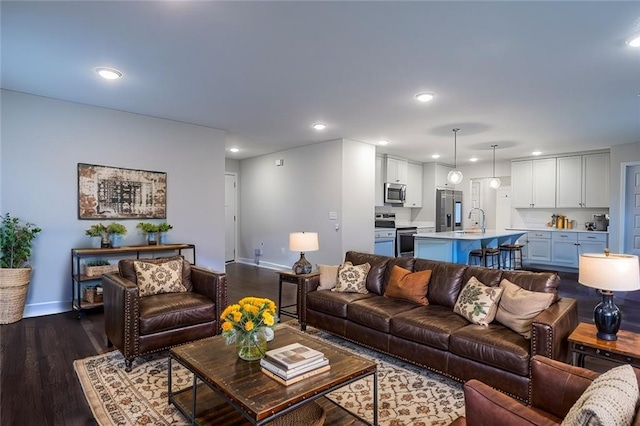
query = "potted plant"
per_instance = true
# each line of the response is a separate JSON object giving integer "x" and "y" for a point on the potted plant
{"x": 98, "y": 234}
{"x": 116, "y": 231}
{"x": 163, "y": 228}
{"x": 16, "y": 240}
{"x": 149, "y": 229}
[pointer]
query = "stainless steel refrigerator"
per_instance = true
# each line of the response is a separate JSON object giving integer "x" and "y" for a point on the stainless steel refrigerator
{"x": 448, "y": 210}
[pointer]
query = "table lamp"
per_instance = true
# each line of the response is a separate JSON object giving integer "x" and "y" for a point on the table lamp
{"x": 608, "y": 273}
{"x": 303, "y": 241}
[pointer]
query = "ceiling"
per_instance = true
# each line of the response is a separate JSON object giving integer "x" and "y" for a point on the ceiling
{"x": 552, "y": 76}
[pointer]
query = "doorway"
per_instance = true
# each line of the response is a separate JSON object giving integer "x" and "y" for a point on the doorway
{"x": 230, "y": 215}
{"x": 631, "y": 211}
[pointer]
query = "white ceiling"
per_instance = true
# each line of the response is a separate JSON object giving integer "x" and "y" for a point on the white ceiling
{"x": 553, "y": 76}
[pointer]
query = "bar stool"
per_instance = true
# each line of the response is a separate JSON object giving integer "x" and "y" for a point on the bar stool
{"x": 482, "y": 256}
{"x": 512, "y": 253}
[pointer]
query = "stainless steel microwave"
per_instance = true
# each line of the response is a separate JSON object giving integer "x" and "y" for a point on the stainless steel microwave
{"x": 395, "y": 193}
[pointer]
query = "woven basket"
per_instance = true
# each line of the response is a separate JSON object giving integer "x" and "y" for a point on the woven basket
{"x": 14, "y": 284}
{"x": 96, "y": 271}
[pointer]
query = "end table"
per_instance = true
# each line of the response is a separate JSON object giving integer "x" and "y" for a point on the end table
{"x": 292, "y": 278}
{"x": 625, "y": 350}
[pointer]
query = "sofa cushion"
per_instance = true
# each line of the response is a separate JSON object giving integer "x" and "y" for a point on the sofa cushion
{"x": 518, "y": 307}
{"x": 487, "y": 276}
{"x": 168, "y": 311}
{"x": 409, "y": 286}
{"x": 333, "y": 303}
{"x": 403, "y": 262}
{"x": 128, "y": 272}
{"x": 477, "y": 302}
{"x": 352, "y": 279}
{"x": 328, "y": 276}
{"x": 165, "y": 277}
{"x": 376, "y": 312}
{"x": 446, "y": 281}
{"x": 494, "y": 345}
{"x": 376, "y": 276}
{"x": 609, "y": 400}
{"x": 430, "y": 325}
{"x": 542, "y": 282}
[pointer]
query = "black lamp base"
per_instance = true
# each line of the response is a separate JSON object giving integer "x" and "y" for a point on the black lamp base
{"x": 302, "y": 266}
{"x": 607, "y": 317}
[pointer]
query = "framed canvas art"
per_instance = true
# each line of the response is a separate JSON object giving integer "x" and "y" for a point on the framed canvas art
{"x": 116, "y": 193}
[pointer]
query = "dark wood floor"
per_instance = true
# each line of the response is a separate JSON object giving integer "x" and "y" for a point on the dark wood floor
{"x": 38, "y": 385}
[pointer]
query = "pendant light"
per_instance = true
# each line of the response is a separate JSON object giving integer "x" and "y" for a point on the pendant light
{"x": 455, "y": 175}
{"x": 494, "y": 182}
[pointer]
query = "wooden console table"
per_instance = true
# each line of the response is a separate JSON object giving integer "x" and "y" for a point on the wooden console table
{"x": 625, "y": 350}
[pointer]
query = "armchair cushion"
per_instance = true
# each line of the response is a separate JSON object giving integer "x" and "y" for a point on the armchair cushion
{"x": 128, "y": 271}
{"x": 609, "y": 400}
{"x": 174, "y": 310}
{"x": 165, "y": 277}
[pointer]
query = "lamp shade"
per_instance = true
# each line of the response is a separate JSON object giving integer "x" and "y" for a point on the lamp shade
{"x": 615, "y": 272}
{"x": 303, "y": 241}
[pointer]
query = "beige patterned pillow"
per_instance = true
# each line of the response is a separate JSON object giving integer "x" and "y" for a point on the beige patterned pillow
{"x": 518, "y": 307}
{"x": 610, "y": 400}
{"x": 159, "y": 278}
{"x": 352, "y": 279}
{"x": 477, "y": 302}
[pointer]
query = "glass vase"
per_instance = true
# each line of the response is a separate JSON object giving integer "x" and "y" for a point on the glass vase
{"x": 251, "y": 346}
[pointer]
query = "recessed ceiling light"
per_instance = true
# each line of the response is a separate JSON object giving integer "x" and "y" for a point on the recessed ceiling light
{"x": 424, "y": 96}
{"x": 634, "y": 40}
{"x": 473, "y": 159}
{"x": 108, "y": 73}
{"x": 234, "y": 149}
{"x": 435, "y": 156}
{"x": 383, "y": 142}
{"x": 536, "y": 153}
{"x": 319, "y": 126}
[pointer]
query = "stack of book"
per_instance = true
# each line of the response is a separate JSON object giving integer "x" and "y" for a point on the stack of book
{"x": 292, "y": 363}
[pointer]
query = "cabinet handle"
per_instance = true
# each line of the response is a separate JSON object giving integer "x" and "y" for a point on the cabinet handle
{"x": 591, "y": 238}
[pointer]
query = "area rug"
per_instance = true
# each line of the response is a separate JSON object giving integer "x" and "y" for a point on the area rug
{"x": 408, "y": 395}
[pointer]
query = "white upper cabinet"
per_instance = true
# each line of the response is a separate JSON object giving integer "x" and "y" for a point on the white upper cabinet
{"x": 379, "y": 181}
{"x": 583, "y": 181}
{"x": 441, "y": 176}
{"x": 414, "y": 185}
{"x": 396, "y": 170}
{"x": 533, "y": 183}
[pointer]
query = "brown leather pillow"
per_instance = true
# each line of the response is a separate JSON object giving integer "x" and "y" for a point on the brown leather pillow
{"x": 128, "y": 272}
{"x": 407, "y": 285}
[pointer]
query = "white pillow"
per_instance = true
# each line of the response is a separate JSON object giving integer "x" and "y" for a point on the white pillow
{"x": 328, "y": 276}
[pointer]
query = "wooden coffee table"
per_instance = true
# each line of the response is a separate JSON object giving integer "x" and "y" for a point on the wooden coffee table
{"x": 224, "y": 385}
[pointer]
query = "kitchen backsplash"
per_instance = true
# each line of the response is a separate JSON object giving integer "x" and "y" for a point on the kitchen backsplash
{"x": 538, "y": 218}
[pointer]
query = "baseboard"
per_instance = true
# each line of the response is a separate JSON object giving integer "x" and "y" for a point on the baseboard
{"x": 48, "y": 308}
{"x": 267, "y": 265}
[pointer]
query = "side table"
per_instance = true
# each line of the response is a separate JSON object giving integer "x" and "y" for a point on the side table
{"x": 291, "y": 278}
{"x": 625, "y": 350}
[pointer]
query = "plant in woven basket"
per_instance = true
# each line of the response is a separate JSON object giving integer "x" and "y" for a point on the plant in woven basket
{"x": 98, "y": 262}
{"x": 16, "y": 240}
{"x": 248, "y": 324}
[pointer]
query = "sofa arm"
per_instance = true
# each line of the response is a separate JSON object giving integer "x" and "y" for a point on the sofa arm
{"x": 121, "y": 311}
{"x": 213, "y": 285}
{"x": 484, "y": 405}
{"x": 308, "y": 285}
{"x": 551, "y": 328}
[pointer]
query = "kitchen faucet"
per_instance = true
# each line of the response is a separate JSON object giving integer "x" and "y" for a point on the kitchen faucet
{"x": 483, "y": 228}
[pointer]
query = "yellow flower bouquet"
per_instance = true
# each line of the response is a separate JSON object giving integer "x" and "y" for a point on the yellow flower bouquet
{"x": 248, "y": 324}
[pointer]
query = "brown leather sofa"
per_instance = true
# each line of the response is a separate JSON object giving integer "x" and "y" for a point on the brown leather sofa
{"x": 555, "y": 388}
{"x": 140, "y": 325}
{"x": 434, "y": 336}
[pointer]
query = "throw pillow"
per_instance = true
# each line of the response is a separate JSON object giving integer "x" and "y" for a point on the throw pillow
{"x": 478, "y": 302}
{"x": 518, "y": 307}
{"x": 407, "y": 285}
{"x": 159, "y": 278}
{"x": 609, "y": 400}
{"x": 352, "y": 279}
{"x": 328, "y": 276}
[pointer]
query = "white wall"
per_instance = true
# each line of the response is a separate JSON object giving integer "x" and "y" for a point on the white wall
{"x": 298, "y": 196}
{"x": 231, "y": 165}
{"x": 42, "y": 142}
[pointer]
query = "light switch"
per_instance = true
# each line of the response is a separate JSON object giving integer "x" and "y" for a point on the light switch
{"x": 333, "y": 215}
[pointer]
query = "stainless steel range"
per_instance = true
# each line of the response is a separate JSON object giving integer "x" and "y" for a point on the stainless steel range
{"x": 386, "y": 230}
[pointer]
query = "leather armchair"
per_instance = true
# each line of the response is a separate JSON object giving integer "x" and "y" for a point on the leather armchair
{"x": 139, "y": 325}
{"x": 555, "y": 387}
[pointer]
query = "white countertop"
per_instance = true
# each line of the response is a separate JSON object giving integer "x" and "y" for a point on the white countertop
{"x": 469, "y": 236}
{"x": 550, "y": 229}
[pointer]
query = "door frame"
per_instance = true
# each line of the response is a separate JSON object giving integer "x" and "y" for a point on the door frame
{"x": 236, "y": 221}
{"x": 623, "y": 202}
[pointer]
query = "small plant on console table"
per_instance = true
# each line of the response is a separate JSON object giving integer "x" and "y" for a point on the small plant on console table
{"x": 116, "y": 231}
{"x": 150, "y": 230}
{"x": 98, "y": 234}
{"x": 163, "y": 228}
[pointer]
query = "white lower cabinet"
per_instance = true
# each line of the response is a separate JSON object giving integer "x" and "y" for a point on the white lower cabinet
{"x": 538, "y": 246}
{"x": 564, "y": 249}
{"x": 559, "y": 248}
{"x": 590, "y": 242}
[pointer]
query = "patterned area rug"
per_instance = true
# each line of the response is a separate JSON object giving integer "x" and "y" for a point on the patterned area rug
{"x": 408, "y": 395}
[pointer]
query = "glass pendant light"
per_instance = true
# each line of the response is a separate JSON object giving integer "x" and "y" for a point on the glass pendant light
{"x": 494, "y": 182}
{"x": 455, "y": 175}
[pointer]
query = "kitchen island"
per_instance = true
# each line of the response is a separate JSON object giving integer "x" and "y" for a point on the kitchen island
{"x": 455, "y": 246}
